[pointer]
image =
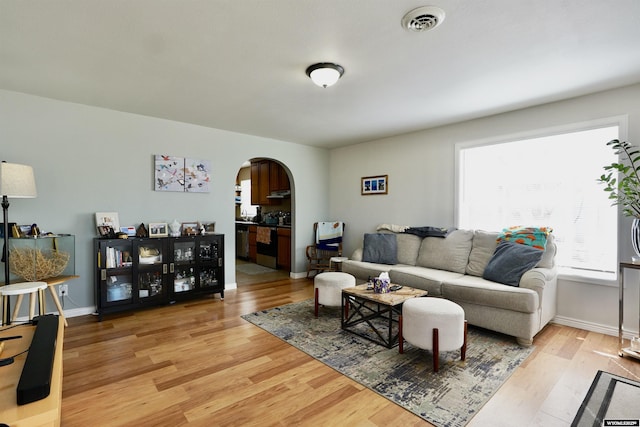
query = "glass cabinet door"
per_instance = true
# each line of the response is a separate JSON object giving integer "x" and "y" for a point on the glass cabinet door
{"x": 151, "y": 270}
{"x": 115, "y": 263}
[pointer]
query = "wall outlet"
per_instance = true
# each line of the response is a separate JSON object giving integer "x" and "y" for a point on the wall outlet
{"x": 63, "y": 290}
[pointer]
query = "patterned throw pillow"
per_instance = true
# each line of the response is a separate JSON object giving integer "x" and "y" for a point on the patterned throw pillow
{"x": 530, "y": 236}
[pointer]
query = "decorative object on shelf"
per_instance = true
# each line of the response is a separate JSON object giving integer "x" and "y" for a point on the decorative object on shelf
{"x": 175, "y": 228}
{"x": 36, "y": 264}
{"x": 622, "y": 183}
{"x": 107, "y": 223}
{"x": 325, "y": 74}
{"x": 42, "y": 258}
{"x": 16, "y": 181}
{"x": 374, "y": 184}
{"x": 189, "y": 228}
{"x": 141, "y": 231}
{"x": 158, "y": 229}
{"x": 180, "y": 174}
{"x": 129, "y": 230}
{"x": 208, "y": 227}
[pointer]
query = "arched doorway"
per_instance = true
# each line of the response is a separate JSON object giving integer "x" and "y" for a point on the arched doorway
{"x": 263, "y": 217}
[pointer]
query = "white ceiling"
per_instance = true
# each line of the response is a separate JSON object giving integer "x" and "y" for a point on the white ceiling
{"x": 240, "y": 65}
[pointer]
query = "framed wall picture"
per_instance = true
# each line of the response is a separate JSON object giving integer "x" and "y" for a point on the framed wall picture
{"x": 196, "y": 175}
{"x": 169, "y": 173}
{"x": 158, "y": 229}
{"x": 374, "y": 185}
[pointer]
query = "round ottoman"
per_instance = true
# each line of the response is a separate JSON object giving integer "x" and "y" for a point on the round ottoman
{"x": 328, "y": 288}
{"x": 434, "y": 324}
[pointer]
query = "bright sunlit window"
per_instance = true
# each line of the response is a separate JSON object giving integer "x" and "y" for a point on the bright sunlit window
{"x": 550, "y": 181}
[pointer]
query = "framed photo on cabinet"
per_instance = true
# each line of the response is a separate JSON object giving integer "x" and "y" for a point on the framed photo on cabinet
{"x": 158, "y": 229}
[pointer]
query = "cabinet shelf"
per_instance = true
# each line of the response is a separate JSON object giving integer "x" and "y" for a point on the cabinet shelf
{"x": 160, "y": 270}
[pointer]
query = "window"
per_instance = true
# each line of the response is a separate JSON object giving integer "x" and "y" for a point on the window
{"x": 246, "y": 208}
{"x": 546, "y": 179}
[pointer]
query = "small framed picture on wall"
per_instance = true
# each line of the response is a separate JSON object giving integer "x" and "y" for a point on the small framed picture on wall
{"x": 378, "y": 184}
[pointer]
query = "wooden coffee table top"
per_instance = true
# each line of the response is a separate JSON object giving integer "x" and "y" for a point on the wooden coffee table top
{"x": 391, "y": 298}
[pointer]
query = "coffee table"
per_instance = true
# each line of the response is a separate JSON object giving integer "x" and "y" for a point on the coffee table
{"x": 375, "y": 316}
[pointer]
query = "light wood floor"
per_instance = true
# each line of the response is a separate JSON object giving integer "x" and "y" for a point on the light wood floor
{"x": 200, "y": 364}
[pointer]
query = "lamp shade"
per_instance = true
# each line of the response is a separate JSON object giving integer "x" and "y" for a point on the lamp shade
{"x": 325, "y": 74}
{"x": 17, "y": 181}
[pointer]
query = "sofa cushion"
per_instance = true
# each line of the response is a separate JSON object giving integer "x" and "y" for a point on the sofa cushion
{"x": 408, "y": 248}
{"x": 380, "y": 248}
{"x": 476, "y": 290}
{"x": 450, "y": 253}
{"x": 428, "y": 279}
{"x": 363, "y": 270}
{"x": 510, "y": 261}
{"x": 482, "y": 249}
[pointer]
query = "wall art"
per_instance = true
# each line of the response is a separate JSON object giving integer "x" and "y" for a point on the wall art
{"x": 374, "y": 184}
{"x": 179, "y": 174}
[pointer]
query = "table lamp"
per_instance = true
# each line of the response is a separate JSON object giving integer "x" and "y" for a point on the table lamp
{"x": 16, "y": 181}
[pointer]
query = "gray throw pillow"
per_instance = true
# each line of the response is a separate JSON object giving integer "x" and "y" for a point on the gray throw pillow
{"x": 510, "y": 261}
{"x": 381, "y": 248}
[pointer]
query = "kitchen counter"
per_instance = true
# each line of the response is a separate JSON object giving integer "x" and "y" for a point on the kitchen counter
{"x": 261, "y": 224}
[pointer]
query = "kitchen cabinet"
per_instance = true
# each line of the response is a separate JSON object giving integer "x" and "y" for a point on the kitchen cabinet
{"x": 253, "y": 243}
{"x": 284, "y": 248}
{"x": 267, "y": 177}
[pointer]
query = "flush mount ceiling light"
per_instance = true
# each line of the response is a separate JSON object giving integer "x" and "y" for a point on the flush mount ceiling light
{"x": 423, "y": 19}
{"x": 325, "y": 74}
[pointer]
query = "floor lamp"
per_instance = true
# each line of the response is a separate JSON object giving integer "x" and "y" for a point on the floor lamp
{"x": 16, "y": 181}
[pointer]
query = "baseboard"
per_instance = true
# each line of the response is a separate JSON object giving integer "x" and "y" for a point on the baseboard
{"x": 592, "y": 327}
{"x": 298, "y": 275}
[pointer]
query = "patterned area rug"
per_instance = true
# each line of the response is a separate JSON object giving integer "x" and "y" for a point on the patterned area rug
{"x": 450, "y": 397}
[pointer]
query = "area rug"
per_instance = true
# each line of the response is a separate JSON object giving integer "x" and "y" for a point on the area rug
{"x": 253, "y": 269}
{"x": 450, "y": 397}
{"x": 611, "y": 400}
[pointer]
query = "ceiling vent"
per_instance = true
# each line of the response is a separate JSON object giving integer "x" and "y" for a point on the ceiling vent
{"x": 423, "y": 19}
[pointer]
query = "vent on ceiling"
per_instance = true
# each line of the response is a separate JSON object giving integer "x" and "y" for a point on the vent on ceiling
{"x": 423, "y": 19}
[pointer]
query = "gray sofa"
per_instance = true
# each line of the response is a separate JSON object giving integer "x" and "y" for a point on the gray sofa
{"x": 452, "y": 267}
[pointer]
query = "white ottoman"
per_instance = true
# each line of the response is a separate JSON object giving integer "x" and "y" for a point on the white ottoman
{"x": 434, "y": 324}
{"x": 328, "y": 288}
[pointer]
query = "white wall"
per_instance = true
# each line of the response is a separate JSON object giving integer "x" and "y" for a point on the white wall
{"x": 421, "y": 188}
{"x": 89, "y": 159}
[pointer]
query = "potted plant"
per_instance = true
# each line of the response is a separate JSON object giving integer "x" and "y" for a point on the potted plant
{"x": 622, "y": 182}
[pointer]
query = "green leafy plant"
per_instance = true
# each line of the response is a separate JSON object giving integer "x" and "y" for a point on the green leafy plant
{"x": 622, "y": 180}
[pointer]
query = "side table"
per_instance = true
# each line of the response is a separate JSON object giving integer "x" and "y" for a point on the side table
{"x": 337, "y": 260}
{"x": 621, "y": 349}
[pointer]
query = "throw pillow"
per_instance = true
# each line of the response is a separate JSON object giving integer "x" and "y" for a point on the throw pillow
{"x": 510, "y": 261}
{"x": 532, "y": 236}
{"x": 380, "y": 248}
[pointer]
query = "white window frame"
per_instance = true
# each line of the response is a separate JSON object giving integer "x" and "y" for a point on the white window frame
{"x": 583, "y": 276}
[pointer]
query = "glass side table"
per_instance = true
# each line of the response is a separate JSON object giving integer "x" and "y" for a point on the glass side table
{"x": 622, "y": 351}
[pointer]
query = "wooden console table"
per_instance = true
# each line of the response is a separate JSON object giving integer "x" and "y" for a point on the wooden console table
{"x": 44, "y": 412}
{"x": 621, "y": 349}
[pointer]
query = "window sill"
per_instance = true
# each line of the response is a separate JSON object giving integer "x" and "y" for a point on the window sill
{"x": 601, "y": 278}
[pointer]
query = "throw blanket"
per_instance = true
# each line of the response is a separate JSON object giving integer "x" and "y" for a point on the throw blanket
{"x": 531, "y": 236}
{"x": 329, "y": 235}
{"x": 393, "y": 227}
{"x": 263, "y": 235}
{"x": 429, "y": 231}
